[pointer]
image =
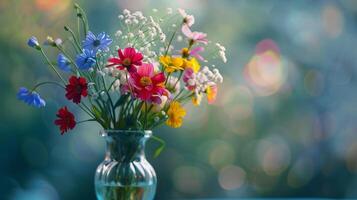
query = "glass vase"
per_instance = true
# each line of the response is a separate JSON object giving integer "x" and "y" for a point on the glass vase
{"x": 125, "y": 174}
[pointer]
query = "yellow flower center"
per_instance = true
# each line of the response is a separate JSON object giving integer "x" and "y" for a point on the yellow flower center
{"x": 145, "y": 81}
{"x": 185, "y": 52}
{"x": 127, "y": 62}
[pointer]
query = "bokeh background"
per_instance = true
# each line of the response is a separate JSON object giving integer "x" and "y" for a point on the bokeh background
{"x": 284, "y": 124}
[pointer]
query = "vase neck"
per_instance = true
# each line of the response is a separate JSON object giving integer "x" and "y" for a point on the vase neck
{"x": 126, "y": 146}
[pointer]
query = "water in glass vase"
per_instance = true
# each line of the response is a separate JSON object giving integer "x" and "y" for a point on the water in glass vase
{"x": 108, "y": 192}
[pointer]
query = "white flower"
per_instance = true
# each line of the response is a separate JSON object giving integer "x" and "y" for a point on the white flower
{"x": 162, "y": 37}
{"x": 189, "y": 20}
{"x": 121, "y": 17}
{"x": 173, "y": 84}
{"x": 222, "y": 54}
{"x": 130, "y": 35}
{"x": 126, "y": 12}
{"x": 100, "y": 73}
{"x": 203, "y": 79}
{"x": 138, "y": 14}
{"x": 159, "y": 107}
{"x": 116, "y": 85}
{"x": 118, "y": 33}
{"x": 58, "y": 41}
{"x": 221, "y": 47}
{"x": 154, "y": 10}
{"x": 169, "y": 11}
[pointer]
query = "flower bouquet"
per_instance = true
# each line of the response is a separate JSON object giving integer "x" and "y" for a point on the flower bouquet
{"x": 130, "y": 84}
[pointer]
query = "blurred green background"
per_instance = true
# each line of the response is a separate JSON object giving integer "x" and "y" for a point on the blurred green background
{"x": 284, "y": 124}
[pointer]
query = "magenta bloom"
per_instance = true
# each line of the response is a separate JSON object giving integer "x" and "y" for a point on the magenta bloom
{"x": 189, "y": 79}
{"x": 127, "y": 59}
{"x": 147, "y": 85}
{"x": 194, "y": 36}
{"x": 195, "y": 53}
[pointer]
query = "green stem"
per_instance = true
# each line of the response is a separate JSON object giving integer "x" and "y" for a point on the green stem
{"x": 53, "y": 67}
{"x": 83, "y": 17}
{"x": 171, "y": 39}
{"x": 161, "y": 147}
{"x": 179, "y": 78}
{"x": 47, "y": 82}
{"x": 146, "y": 114}
{"x": 87, "y": 120}
{"x": 74, "y": 37}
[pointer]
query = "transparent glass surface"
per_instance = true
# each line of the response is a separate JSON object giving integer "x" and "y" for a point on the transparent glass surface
{"x": 125, "y": 173}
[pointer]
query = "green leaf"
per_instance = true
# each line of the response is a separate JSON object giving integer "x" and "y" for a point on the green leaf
{"x": 96, "y": 112}
{"x": 160, "y": 148}
{"x": 121, "y": 100}
{"x": 158, "y": 151}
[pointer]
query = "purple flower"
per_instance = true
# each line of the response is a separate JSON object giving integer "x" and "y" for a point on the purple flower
{"x": 95, "y": 43}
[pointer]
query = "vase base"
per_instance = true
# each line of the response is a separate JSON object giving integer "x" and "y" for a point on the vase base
{"x": 125, "y": 192}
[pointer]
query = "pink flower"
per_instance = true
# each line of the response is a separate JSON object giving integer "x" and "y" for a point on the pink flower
{"x": 188, "y": 79}
{"x": 147, "y": 85}
{"x": 195, "y": 53}
{"x": 127, "y": 59}
{"x": 188, "y": 20}
{"x": 194, "y": 36}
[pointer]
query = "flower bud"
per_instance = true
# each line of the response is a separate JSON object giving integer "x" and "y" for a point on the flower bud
{"x": 33, "y": 42}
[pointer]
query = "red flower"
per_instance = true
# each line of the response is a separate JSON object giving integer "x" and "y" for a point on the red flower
{"x": 127, "y": 60}
{"x": 147, "y": 85}
{"x": 76, "y": 88}
{"x": 66, "y": 120}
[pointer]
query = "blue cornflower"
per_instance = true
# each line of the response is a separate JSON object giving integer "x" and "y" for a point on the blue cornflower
{"x": 86, "y": 59}
{"x": 33, "y": 42}
{"x": 95, "y": 43}
{"x": 30, "y": 97}
{"x": 63, "y": 63}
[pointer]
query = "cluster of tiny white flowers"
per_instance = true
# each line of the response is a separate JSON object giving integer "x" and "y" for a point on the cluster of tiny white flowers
{"x": 140, "y": 32}
{"x": 222, "y": 52}
{"x": 204, "y": 79}
{"x": 155, "y": 24}
{"x": 119, "y": 75}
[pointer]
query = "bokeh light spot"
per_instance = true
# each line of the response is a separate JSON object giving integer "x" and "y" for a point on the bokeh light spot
{"x": 231, "y": 177}
{"x": 188, "y": 179}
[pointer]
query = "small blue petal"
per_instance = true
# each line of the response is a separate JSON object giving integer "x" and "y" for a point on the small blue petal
{"x": 30, "y": 98}
{"x": 63, "y": 63}
{"x": 95, "y": 43}
{"x": 86, "y": 60}
{"x": 33, "y": 42}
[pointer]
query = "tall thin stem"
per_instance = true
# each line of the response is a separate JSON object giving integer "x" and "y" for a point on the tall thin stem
{"x": 53, "y": 67}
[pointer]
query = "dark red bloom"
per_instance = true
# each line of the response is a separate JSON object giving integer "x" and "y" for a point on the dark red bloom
{"x": 76, "y": 88}
{"x": 127, "y": 59}
{"x": 65, "y": 120}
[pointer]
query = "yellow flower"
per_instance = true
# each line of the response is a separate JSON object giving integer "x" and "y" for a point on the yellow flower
{"x": 171, "y": 64}
{"x": 176, "y": 114}
{"x": 191, "y": 63}
{"x": 196, "y": 100}
{"x": 211, "y": 93}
